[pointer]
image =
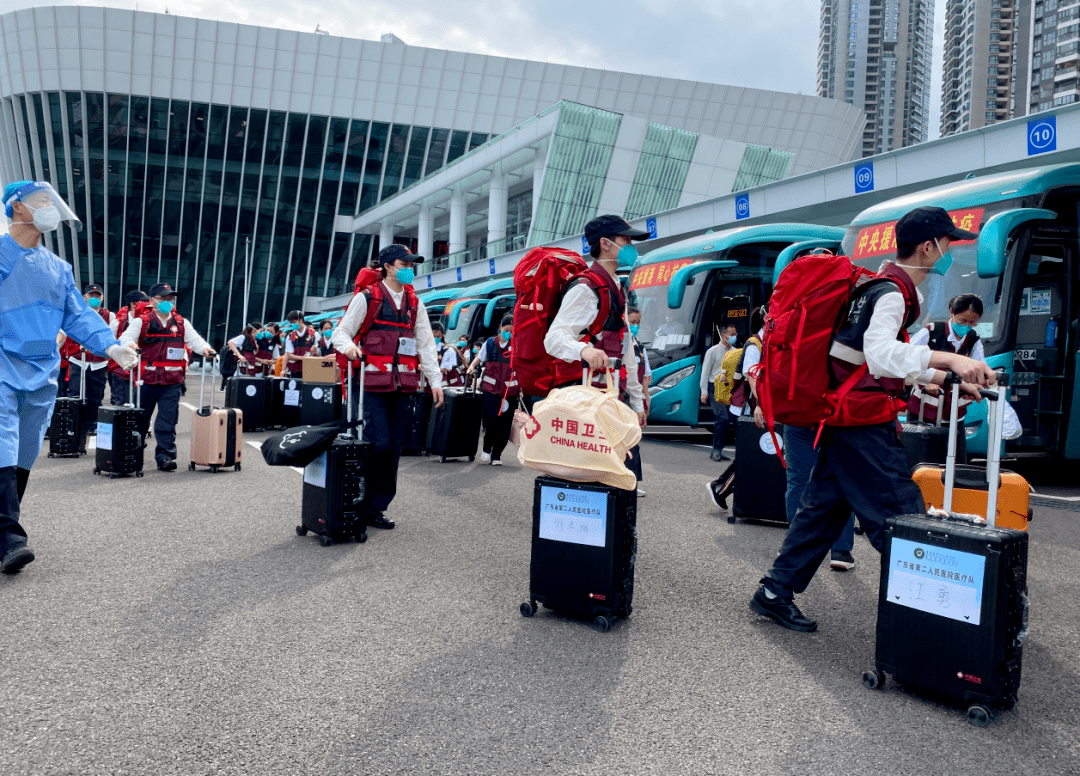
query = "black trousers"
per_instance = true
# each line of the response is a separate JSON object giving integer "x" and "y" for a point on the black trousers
{"x": 166, "y": 400}
{"x": 118, "y": 390}
{"x": 497, "y": 427}
{"x": 95, "y": 390}
{"x": 862, "y": 470}
{"x": 386, "y": 426}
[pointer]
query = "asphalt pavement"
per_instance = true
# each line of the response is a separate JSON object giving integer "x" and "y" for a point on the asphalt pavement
{"x": 176, "y": 624}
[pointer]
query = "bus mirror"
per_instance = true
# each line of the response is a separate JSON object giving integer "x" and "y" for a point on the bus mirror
{"x": 489, "y": 309}
{"x": 677, "y": 284}
{"x": 994, "y": 238}
{"x": 790, "y": 253}
{"x": 455, "y": 314}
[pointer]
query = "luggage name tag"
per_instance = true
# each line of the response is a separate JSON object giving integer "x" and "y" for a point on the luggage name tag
{"x": 175, "y": 354}
{"x": 406, "y": 346}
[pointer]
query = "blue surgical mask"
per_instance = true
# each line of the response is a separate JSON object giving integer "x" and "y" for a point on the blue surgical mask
{"x": 327, "y": 333}
{"x": 475, "y": 351}
{"x": 627, "y": 256}
{"x": 165, "y": 307}
{"x": 961, "y": 330}
{"x": 438, "y": 339}
{"x": 406, "y": 276}
{"x": 463, "y": 345}
{"x": 94, "y": 302}
{"x": 505, "y": 335}
{"x": 634, "y": 329}
{"x": 942, "y": 265}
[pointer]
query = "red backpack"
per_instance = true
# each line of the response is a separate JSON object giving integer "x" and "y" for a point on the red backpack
{"x": 808, "y": 305}
{"x": 364, "y": 278}
{"x": 539, "y": 280}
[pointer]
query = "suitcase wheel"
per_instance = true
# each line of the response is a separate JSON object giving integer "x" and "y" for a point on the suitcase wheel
{"x": 214, "y": 468}
{"x": 113, "y": 475}
{"x": 873, "y": 680}
{"x": 50, "y": 455}
{"x": 731, "y": 518}
{"x": 361, "y": 537}
{"x": 442, "y": 459}
{"x": 472, "y": 458}
{"x": 301, "y": 531}
{"x": 979, "y": 715}
{"x": 96, "y": 471}
{"x": 236, "y": 468}
{"x": 602, "y": 624}
{"x": 138, "y": 474}
{"x": 528, "y": 609}
{"x": 191, "y": 466}
{"x": 325, "y": 540}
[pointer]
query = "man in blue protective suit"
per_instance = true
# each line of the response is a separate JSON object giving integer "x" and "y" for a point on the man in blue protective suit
{"x": 38, "y": 297}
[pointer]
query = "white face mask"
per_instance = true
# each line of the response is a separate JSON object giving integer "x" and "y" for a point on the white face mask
{"x": 46, "y": 217}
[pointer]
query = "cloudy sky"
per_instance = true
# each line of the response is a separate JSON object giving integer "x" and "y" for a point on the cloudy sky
{"x": 766, "y": 44}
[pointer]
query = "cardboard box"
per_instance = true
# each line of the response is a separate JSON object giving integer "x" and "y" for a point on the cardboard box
{"x": 321, "y": 369}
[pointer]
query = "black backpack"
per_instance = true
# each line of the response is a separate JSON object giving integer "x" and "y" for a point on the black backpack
{"x": 300, "y": 445}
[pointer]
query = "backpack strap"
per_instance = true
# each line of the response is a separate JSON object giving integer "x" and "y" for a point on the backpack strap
{"x": 374, "y": 295}
{"x": 939, "y": 335}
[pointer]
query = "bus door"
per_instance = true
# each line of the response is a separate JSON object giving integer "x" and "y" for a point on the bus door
{"x": 733, "y": 302}
{"x": 1042, "y": 355}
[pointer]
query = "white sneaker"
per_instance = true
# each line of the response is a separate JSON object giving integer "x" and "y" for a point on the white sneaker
{"x": 640, "y": 493}
{"x": 496, "y": 462}
{"x": 485, "y": 457}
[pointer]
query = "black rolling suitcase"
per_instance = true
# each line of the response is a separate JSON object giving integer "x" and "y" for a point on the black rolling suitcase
{"x": 284, "y": 402}
{"x": 319, "y": 403}
{"x": 454, "y": 428}
{"x": 760, "y": 480}
{"x": 952, "y": 606}
{"x": 334, "y": 485}
{"x": 929, "y": 442}
{"x": 120, "y": 444}
{"x": 584, "y": 547}
{"x": 420, "y": 404}
{"x": 67, "y": 432}
{"x": 248, "y": 394}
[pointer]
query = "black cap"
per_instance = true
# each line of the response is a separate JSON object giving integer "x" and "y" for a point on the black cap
{"x": 609, "y": 226}
{"x": 92, "y": 288}
{"x": 927, "y": 223}
{"x": 392, "y": 253}
{"x": 162, "y": 289}
{"x": 131, "y": 297}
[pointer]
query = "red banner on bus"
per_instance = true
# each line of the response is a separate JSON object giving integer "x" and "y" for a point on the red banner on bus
{"x": 880, "y": 239}
{"x": 657, "y": 274}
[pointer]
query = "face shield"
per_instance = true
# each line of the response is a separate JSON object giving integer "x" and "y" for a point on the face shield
{"x": 38, "y": 196}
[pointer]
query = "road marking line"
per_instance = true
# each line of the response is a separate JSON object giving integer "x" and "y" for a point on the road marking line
{"x": 258, "y": 446}
{"x": 189, "y": 406}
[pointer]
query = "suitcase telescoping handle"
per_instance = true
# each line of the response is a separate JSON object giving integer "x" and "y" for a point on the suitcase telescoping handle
{"x": 135, "y": 383}
{"x": 993, "y": 454}
{"x": 348, "y": 396}
{"x": 82, "y": 375}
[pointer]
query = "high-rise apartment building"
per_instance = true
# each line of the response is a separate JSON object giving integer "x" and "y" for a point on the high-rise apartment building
{"x": 876, "y": 54}
{"x": 986, "y": 62}
{"x": 1055, "y": 53}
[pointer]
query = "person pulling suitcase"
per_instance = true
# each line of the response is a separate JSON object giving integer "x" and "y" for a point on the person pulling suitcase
{"x": 391, "y": 326}
{"x": 500, "y": 388}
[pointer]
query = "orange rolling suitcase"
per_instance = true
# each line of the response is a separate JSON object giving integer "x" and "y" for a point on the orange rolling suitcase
{"x": 972, "y": 490}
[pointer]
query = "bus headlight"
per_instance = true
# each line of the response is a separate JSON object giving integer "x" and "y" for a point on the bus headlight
{"x": 674, "y": 378}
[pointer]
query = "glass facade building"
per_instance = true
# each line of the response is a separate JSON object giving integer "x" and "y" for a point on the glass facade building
{"x": 183, "y": 144}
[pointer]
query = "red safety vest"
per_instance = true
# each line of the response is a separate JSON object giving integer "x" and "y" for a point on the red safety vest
{"x": 871, "y": 400}
{"x": 499, "y": 377}
{"x": 381, "y": 338}
{"x": 156, "y": 341}
{"x": 301, "y": 345}
{"x": 607, "y": 330}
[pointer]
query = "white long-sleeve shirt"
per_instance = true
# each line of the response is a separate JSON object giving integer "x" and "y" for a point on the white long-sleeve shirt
{"x": 94, "y": 366}
{"x": 710, "y": 366}
{"x": 884, "y": 354}
{"x": 192, "y": 338}
{"x": 354, "y": 316}
{"x": 578, "y": 310}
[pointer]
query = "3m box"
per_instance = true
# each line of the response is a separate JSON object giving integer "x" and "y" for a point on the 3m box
{"x": 321, "y": 370}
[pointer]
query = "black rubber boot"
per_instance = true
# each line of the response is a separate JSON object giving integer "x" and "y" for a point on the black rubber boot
{"x": 14, "y": 554}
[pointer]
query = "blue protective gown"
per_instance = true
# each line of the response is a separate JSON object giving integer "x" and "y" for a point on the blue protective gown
{"x": 38, "y": 297}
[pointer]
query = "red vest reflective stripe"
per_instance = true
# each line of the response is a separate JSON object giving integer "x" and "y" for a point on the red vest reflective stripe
{"x": 155, "y": 341}
{"x": 307, "y": 342}
{"x": 379, "y": 338}
{"x": 499, "y": 377}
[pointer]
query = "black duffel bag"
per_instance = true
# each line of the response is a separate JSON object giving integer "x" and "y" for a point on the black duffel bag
{"x": 300, "y": 445}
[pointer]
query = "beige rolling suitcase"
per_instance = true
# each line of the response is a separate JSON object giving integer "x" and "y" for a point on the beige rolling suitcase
{"x": 217, "y": 435}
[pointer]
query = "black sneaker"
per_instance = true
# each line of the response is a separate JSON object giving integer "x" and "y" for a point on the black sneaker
{"x": 783, "y": 610}
{"x": 378, "y": 520}
{"x": 714, "y": 493}
{"x": 167, "y": 466}
{"x": 15, "y": 558}
{"x": 841, "y": 561}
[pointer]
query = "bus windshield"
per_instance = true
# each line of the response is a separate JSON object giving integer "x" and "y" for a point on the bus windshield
{"x": 870, "y": 246}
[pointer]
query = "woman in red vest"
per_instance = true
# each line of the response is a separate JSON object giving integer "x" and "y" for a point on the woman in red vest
{"x": 390, "y": 326}
{"x": 500, "y": 391}
{"x": 299, "y": 342}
